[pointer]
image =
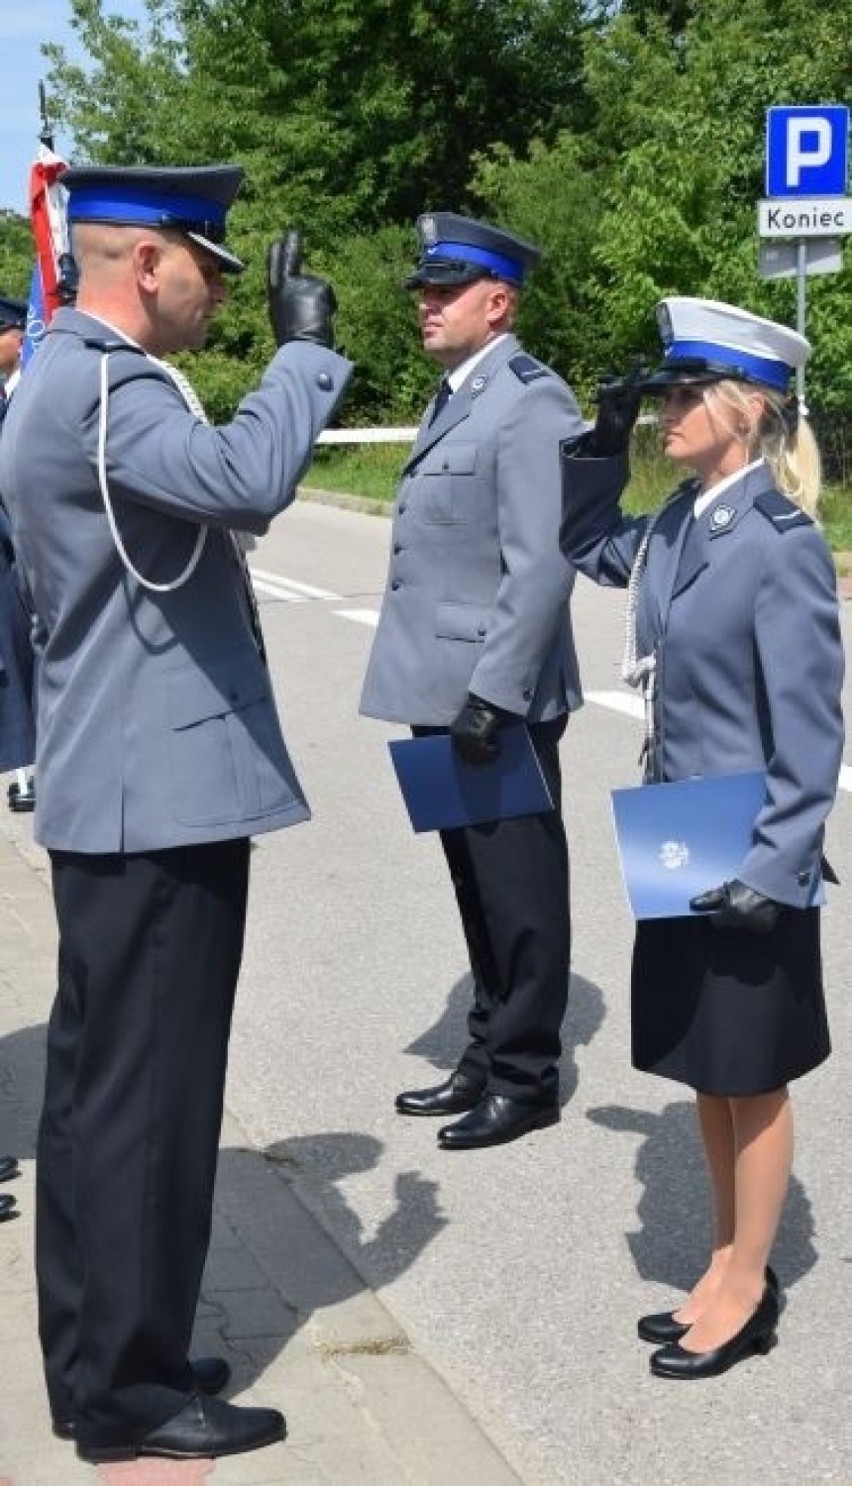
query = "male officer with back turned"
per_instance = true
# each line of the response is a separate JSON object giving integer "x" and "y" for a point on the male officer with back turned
{"x": 475, "y": 632}
{"x": 159, "y": 755}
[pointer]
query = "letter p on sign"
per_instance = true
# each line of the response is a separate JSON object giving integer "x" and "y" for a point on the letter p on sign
{"x": 806, "y": 150}
{"x": 808, "y": 147}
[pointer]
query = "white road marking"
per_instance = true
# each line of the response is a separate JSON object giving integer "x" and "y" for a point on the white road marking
{"x": 290, "y": 591}
{"x": 359, "y": 616}
{"x": 617, "y": 701}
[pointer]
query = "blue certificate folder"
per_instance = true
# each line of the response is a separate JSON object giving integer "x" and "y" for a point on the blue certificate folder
{"x": 441, "y": 791}
{"x": 677, "y": 840}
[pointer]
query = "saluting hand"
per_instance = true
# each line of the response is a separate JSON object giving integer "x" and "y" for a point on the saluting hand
{"x": 301, "y": 305}
{"x": 618, "y": 400}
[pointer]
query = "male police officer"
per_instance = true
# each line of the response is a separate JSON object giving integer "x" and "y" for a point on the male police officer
{"x": 13, "y": 322}
{"x": 474, "y": 632}
{"x": 159, "y": 755}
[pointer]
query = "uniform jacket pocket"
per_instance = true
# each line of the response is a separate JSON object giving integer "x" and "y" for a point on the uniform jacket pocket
{"x": 461, "y": 622}
{"x": 227, "y": 758}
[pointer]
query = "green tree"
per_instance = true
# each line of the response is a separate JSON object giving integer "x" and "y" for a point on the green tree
{"x": 680, "y": 200}
{"x": 16, "y": 255}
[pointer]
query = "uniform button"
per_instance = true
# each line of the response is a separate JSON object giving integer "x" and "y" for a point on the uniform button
{"x": 396, "y": 584}
{"x": 402, "y": 509}
{"x": 445, "y": 465}
{"x": 397, "y": 548}
{"x": 481, "y": 630}
{"x": 324, "y": 381}
{"x": 527, "y": 694}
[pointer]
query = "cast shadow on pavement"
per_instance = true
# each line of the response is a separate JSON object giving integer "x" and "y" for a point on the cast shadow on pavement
{"x": 330, "y": 1158}
{"x": 444, "y": 1041}
{"x": 255, "y": 1296}
{"x": 671, "y": 1246}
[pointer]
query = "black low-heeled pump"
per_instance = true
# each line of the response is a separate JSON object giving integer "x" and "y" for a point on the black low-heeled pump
{"x": 662, "y": 1327}
{"x": 757, "y": 1335}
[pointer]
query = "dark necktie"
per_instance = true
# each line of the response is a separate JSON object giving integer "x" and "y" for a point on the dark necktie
{"x": 445, "y": 392}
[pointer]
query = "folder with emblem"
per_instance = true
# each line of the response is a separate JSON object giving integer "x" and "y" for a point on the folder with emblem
{"x": 680, "y": 839}
{"x": 441, "y": 791}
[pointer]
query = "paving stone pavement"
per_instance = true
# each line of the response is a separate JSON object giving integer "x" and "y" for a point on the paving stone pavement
{"x": 279, "y": 1300}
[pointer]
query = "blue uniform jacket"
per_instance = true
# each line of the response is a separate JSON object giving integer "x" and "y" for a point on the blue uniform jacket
{"x": 741, "y": 610}
{"x": 156, "y": 722}
{"x": 478, "y": 592}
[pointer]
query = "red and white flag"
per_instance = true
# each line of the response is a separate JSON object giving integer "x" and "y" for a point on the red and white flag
{"x": 52, "y": 281}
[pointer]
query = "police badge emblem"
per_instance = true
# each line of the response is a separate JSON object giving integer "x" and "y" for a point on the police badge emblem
{"x": 722, "y": 517}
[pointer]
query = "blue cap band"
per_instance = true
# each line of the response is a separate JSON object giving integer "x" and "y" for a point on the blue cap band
{"x": 505, "y": 268}
{"x": 773, "y": 373}
{"x": 131, "y": 204}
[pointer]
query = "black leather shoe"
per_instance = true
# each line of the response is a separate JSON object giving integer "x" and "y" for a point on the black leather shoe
{"x": 204, "y": 1427}
{"x": 458, "y": 1094}
{"x": 211, "y": 1374}
{"x": 663, "y": 1327}
{"x": 22, "y": 800}
{"x": 758, "y": 1335}
{"x": 7, "y": 1207}
{"x": 495, "y": 1120}
{"x": 8, "y": 1168}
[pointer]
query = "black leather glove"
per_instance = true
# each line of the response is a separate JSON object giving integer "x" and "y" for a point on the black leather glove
{"x": 301, "y": 306}
{"x": 618, "y": 400}
{"x": 734, "y": 905}
{"x": 473, "y": 731}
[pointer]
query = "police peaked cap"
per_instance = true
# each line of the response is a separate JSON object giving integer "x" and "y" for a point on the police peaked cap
{"x": 705, "y": 341}
{"x": 13, "y": 314}
{"x": 458, "y": 250}
{"x": 192, "y": 199}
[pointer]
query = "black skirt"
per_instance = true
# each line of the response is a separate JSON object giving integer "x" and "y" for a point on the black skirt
{"x": 729, "y": 1012}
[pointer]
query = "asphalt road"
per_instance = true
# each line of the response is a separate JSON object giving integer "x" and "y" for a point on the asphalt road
{"x": 518, "y": 1272}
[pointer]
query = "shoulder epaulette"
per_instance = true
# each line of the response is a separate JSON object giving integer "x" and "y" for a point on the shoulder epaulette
{"x": 783, "y": 513}
{"x": 527, "y": 369}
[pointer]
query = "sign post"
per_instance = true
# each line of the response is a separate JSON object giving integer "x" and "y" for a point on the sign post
{"x": 806, "y": 206}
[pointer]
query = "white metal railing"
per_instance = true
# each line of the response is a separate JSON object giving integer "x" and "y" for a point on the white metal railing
{"x": 400, "y": 435}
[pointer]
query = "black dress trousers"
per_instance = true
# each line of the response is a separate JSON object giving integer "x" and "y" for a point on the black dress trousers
{"x": 149, "y": 953}
{"x": 511, "y": 880}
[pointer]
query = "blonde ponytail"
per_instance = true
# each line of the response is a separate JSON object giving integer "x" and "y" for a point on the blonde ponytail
{"x": 782, "y": 437}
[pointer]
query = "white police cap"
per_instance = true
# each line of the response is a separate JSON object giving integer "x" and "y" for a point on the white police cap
{"x": 705, "y": 340}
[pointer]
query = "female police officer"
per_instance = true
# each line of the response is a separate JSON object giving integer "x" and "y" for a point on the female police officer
{"x": 734, "y": 638}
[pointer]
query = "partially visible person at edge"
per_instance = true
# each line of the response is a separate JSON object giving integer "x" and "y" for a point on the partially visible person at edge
{"x": 735, "y": 637}
{"x": 17, "y": 727}
{"x": 159, "y": 755}
{"x": 474, "y": 634}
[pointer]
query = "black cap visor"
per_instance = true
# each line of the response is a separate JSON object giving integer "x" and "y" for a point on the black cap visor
{"x": 449, "y": 271}
{"x": 228, "y": 262}
{"x": 689, "y": 371}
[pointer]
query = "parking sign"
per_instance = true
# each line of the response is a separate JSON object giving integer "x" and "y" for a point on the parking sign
{"x": 806, "y": 150}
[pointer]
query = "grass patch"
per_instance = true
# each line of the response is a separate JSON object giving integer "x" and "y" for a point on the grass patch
{"x": 372, "y": 471}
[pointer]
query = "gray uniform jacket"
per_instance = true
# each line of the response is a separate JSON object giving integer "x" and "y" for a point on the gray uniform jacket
{"x": 740, "y": 608}
{"x": 156, "y": 724}
{"x": 478, "y": 591}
